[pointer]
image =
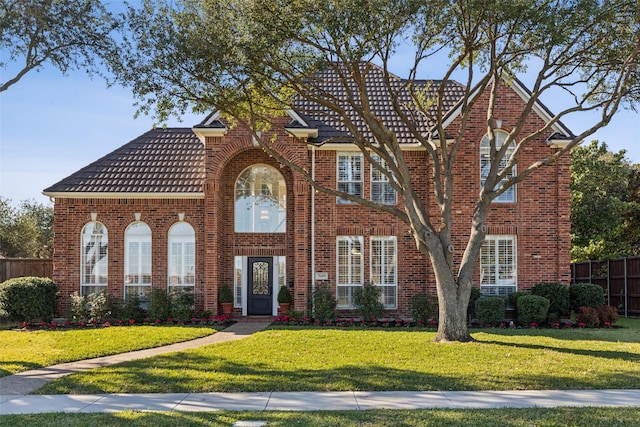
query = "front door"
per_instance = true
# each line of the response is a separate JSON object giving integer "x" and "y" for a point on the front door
{"x": 260, "y": 286}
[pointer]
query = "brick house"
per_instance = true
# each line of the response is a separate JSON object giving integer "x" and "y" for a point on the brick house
{"x": 195, "y": 208}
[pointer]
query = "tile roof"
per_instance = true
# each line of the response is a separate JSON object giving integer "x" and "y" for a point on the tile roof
{"x": 159, "y": 161}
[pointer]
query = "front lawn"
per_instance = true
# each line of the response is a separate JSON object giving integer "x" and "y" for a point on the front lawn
{"x": 31, "y": 349}
{"x": 322, "y": 359}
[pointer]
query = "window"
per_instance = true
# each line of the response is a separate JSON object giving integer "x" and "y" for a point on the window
{"x": 237, "y": 281}
{"x": 260, "y": 201}
{"x": 182, "y": 258}
{"x": 94, "y": 264}
{"x": 349, "y": 267}
{"x": 383, "y": 269}
{"x": 381, "y": 189}
{"x": 498, "y": 267}
{"x": 137, "y": 267}
{"x": 508, "y": 196}
{"x": 349, "y": 175}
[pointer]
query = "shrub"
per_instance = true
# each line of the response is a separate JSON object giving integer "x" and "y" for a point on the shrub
{"x": 28, "y": 298}
{"x": 131, "y": 309}
{"x": 588, "y": 316}
{"x": 532, "y": 309}
{"x": 226, "y": 294}
{"x": 159, "y": 304}
{"x": 608, "y": 314}
{"x": 284, "y": 295}
{"x": 490, "y": 310}
{"x": 181, "y": 305}
{"x": 367, "y": 302}
{"x": 76, "y": 308}
{"x": 558, "y": 296}
{"x": 98, "y": 306}
{"x": 423, "y": 307}
{"x": 586, "y": 295}
{"x": 471, "y": 308}
{"x": 512, "y": 301}
{"x": 324, "y": 304}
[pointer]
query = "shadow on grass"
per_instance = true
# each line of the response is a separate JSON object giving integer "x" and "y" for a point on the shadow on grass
{"x": 21, "y": 364}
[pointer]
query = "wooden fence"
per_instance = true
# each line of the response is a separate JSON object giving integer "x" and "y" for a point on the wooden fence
{"x": 620, "y": 279}
{"x": 21, "y": 267}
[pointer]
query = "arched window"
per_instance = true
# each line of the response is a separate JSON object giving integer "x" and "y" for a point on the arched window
{"x": 182, "y": 258}
{"x": 508, "y": 196}
{"x": 94, "y": 262}
{"x": 260, "y": 201}
{"x": 137, "y": 264}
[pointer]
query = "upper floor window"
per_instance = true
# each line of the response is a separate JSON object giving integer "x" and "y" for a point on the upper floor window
{"x": 509, "y": 196}
{"x": 381, "y": 189}
{"x": 260, "y": 201}
{"x": 137, "y": 261}
{"x": 350, "y": 175}
{"x": 182, "y": 257}
{"x": 94, "y": 262}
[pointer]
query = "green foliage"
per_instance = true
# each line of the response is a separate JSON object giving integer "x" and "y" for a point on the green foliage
{"x": 423, "y": 307}
{"x": 490, "y": 310}
{"x": 588, "y": 316}
{"x": 131, "y": 309}
{"x": 367, "y": 302}
{"x": 28, "y": 298}
{"x": 159, "y": 304}
{"x": 512, "y": 301}
{"x": 26, "y": 231}
{"x": 284, "y": 295}
{"x": 471, "y": 308}
{"x": 76, "y": 308}
{"x": 226, "y": 294}
{"x": 98, "y": 306}
{"x": 586, "y": 295}
{"x": 558, "y": 296}
{"x": 324, "y": 303}
{"x": 181, "y": 305}
{"x": 532, "y": 308}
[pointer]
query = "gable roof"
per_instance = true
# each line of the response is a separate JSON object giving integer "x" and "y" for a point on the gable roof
{"x": 160, "y": 163}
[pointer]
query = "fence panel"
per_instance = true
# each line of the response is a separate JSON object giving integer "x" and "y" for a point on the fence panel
{"x": 22, "y": 267}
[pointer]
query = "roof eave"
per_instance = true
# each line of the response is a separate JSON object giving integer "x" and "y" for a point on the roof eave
{"x": 120, "y": 195}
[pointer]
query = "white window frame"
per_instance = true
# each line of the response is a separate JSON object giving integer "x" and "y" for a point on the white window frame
{"x": 384, "y": 268}
{"x": 499, "y": 269}
{"x": 256, "y": 212}
{"x": 349, "y": 255}
{"x": 382, "y": 190}
{"x": 138, "y": 261}
{"x": 94, "y": 258}
{"x": 509, "y": 196}
{"x": 181, "y": 257}
{"x": 350, "y": 174}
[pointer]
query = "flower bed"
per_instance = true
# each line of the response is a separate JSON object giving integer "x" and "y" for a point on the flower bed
{"x": 221, "y": 320}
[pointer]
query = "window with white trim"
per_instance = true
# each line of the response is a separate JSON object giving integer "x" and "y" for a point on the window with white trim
{"x": 384, "y": 269}
{"x": 94, "y": 262}
{"x": 509, "y": 196}
{"x": 349, "y": 269}
{"x": 498, "y": 265}
{"x": 182, "y": 258}
{"x": 137, "y": 264}
{"x": 237, "y": 281}
{"x": 350, "y": 175}
{"x": 260, "y": 201}
{"x": 381, "y": 189}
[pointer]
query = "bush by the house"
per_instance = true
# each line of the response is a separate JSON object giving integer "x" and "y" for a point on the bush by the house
{"x": 586, "y": 295}
{"x": 512, "y": 301}
{"x": 471, "y": 308}
{"x": 490, "y": 310}
{"x": 423, "y": 307}
{"x": 181, "y": 305}
{"x": 587, "y": 317}
{"x": 28, "y": 298}
{"x": 131, "y": 309}
{"x": 367, "y": 302}
{"x": 532, "y": 309}
{"x": 608, "y": 315}
{"x": 324, "y": 304}
{"x": 158, "y": 304}
{"x": 558, "y": 296}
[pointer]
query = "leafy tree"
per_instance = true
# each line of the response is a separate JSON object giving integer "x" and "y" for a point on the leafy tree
{"x": 69, "y": 34}
{"x": 602, "y": 209}
{"x": 26, "y": 232}
{"x": 251, "y": 60}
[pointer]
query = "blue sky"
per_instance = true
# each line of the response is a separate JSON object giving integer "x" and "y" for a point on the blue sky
{"x": 53, "y": 125}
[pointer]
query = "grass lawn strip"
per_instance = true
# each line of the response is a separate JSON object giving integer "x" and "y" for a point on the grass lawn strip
{"x": 593, "y": 417}
{"x": 24, "y": 350}
{"x": 312, "y": 359}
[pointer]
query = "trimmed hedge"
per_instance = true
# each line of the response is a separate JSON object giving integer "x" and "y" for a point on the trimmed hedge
{"x": 490, "y": 310}
{"x": 558, "y": 296}
{"x": 423, "y": 307}
{"x": 586, "y": 295}
{"x": 28, "y": 298}
{"x": 532, "y": 309}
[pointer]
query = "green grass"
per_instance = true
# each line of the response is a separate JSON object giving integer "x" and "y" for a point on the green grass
{"x": 305, "y": 359}
{"x": 24, "y": 350}
{"x": 593, "y": 417}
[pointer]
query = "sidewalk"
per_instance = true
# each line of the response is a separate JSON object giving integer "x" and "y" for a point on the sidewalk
{"x": 308, "y": 401}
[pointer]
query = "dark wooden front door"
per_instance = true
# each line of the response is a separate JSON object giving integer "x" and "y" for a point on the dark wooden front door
{"x": 260, "y": 283}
